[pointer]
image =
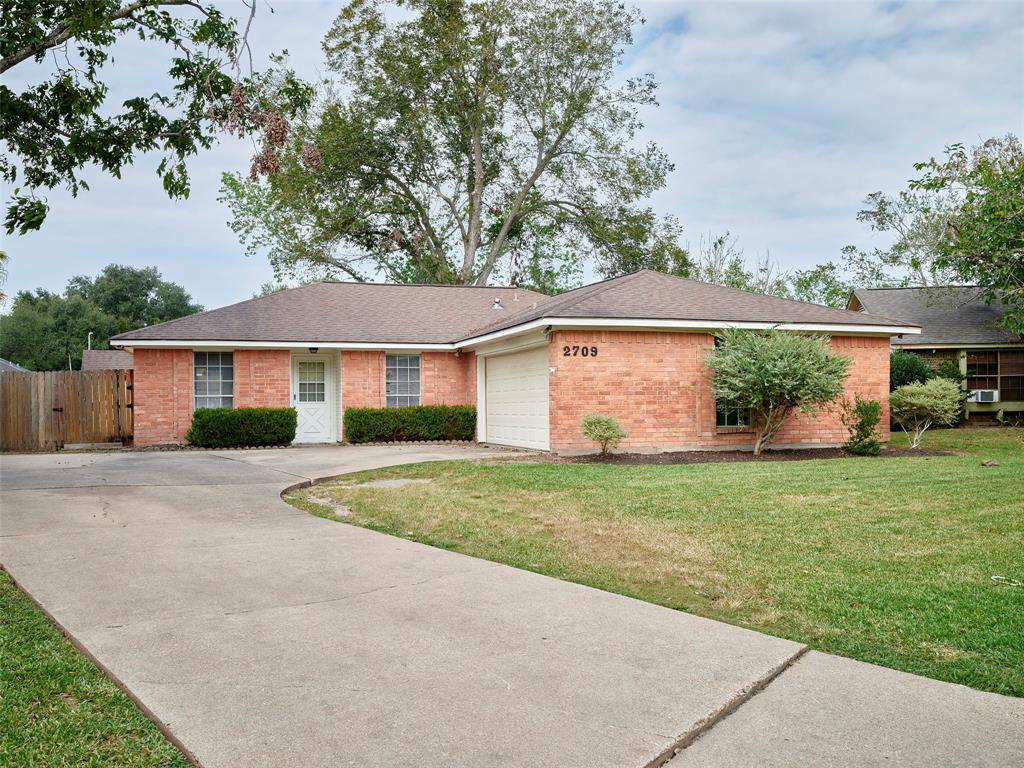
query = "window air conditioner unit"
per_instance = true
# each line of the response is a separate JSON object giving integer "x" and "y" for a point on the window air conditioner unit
{"x": 984, "y": 396}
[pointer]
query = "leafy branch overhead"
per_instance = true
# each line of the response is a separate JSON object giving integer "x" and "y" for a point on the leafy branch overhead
{"x": 63, "y": 120}
{"x": 466, "y": 142}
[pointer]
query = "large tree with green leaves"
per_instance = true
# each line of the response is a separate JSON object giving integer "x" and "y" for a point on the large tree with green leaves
{"x": 45, "y": 330}
{"x": 133, "y": 296}
{"x": 982, "y": 234}
{"x": 62, "y": 121}
{"x": 462, "y": 141}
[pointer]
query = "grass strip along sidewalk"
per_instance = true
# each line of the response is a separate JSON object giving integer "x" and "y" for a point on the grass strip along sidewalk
{"x": 57, "y": 708}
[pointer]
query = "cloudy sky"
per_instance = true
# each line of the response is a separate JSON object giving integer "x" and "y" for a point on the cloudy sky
{"x": 779, "y": 117}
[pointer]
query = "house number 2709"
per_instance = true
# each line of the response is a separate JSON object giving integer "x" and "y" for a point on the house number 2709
{"x": 578, "y": 351}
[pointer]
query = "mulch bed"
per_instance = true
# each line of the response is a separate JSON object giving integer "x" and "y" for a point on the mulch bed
{"x": 712, "y": 457}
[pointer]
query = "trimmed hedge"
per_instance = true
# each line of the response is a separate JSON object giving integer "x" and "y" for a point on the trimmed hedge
{"x": 241, "y": 427}
{"x": 417, "y": 422}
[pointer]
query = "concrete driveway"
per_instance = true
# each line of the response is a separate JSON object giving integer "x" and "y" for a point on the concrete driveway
{"x": 262, "y": 636}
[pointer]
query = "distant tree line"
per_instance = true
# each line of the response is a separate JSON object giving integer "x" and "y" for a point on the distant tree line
{"x": 44, "y": 330}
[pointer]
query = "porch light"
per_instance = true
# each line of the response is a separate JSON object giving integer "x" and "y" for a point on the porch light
{"x": 314, "y": 350}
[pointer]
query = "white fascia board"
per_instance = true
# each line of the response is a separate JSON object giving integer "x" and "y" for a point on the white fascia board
{"x": 964, "y": 346}
{"x": 204, "y": 343}
{"x": 686, "y": 325}
{"x": 517, "y": 343}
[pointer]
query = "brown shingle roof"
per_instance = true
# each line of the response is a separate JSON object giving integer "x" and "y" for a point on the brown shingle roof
{"x": 442, "y": 314}
{"x": 649, "y": 295}
{"x": 947, "y": 314}
{"x": 106, "y": 359}
{"x": 346, "y": 312}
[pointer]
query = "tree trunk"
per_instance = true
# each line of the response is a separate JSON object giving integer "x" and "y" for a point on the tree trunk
{"x": 766, "y": 425}
{"x": 476, "y": 194}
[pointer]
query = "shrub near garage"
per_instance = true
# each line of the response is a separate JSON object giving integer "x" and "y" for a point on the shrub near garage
{"x": 603, "y": 430}
{"x": 242, "y": 427}
{"x": 412, "y": 423}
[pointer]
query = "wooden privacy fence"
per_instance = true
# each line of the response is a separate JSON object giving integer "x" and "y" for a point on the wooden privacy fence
{"x": 46, "y": 411}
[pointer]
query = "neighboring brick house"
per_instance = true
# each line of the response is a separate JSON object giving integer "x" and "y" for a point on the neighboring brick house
{"x": 633, "y": 347}
{"x": 957, "y": 325}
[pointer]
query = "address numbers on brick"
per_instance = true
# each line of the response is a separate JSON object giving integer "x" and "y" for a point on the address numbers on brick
{"x": 578, "y": 351}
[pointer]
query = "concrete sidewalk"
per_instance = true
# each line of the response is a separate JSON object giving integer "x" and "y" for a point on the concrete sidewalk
{"x": 264, "y": 636}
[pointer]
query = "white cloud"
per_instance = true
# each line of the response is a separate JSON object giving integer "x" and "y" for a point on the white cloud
{"x": 780, "y": 119}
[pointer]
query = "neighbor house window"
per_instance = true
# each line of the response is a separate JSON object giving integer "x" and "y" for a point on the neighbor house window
{"x": 732, "y": 417}
{"x": 403, "y": 380}
{"x": 213, "y": 379}
{"x": 982, "y": 370}
{"x": 1011, "y": 375}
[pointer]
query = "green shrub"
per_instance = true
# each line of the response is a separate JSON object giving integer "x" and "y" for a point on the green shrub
{"x": 418, "y": 422}
{"x": 603, "y": 430}
{"x": 861, "y": 418}
{"x": 950, "y": 369}
{"x": 907, "y": 368}
{"x": 916, "y": 407}
{"x": 242, "y": 427}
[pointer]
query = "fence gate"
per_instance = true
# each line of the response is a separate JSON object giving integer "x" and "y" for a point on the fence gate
{"x": 46, "y": 411}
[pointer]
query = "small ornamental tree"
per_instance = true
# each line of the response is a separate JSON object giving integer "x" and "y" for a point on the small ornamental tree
{"x": 603, "y": 430}
{"x": 916, "y": 407}
{"x": 907, "y": 368}
{"x": 773, "y": 373}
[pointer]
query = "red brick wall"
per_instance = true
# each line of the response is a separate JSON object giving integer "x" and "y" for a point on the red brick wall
{"x": 656, "y": 384}
{"x": 162, "y": 395}
{"x": 362, "y": 379}
{"x": 447, "y": 378}
{"x": 263, "y": 378}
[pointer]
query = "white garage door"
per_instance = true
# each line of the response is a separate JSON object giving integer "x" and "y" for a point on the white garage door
{"x": 516, "y": 399}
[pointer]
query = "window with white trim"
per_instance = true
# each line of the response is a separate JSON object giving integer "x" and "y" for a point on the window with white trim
{"x": 213, "y": 379}
{"x": 402, "y": 379}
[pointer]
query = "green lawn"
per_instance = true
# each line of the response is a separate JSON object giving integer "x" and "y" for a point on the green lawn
{"x": 888, "y": 560}
{"x": 57, "y": 708}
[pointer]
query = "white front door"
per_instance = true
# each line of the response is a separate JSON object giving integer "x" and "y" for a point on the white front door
{"x": 313, "y": 395}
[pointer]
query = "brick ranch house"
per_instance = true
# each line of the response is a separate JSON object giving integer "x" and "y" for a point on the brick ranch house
{"x": 632, "y": 346}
